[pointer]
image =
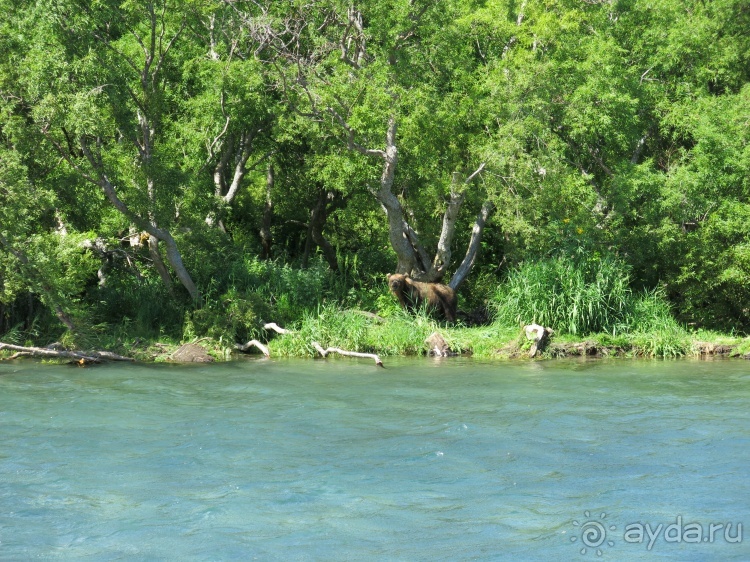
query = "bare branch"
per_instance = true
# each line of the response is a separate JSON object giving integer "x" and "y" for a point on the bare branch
{"x": 67, "y": 157}
{"x": 643, "y": 76}
{"x": 163, "y": 54}
{"x": 475, "y": 173}
{"x": 217, "y": 138}
{"x": 350, "y": 134}
{"x": 354, "y": 20}
{"x": 416, "y": 19}
{"x": 596, "y": 156}
{"x": 151, "y": 50}
{"x": 325, "y": 352}
{"x": 276, "y": 328}
{"x": 254, "y": 343}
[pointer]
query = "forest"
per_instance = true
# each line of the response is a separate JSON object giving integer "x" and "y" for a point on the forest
{"x": 180, "y": 170}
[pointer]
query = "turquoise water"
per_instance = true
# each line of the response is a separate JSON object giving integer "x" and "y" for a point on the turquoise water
{"x": 339, "y": 460}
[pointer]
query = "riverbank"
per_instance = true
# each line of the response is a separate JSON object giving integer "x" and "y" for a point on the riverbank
{"x": 405, "y": 335}
{"x": 401, "y": 334}
{"x": 393, "y": 332}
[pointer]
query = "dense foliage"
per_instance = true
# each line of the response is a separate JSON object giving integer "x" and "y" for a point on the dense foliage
{"x": 195, "y": 168}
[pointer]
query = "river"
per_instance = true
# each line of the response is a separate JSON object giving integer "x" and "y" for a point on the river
{"x": 337, "y": 459}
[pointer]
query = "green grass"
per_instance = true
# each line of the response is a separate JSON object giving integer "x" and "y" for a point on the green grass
{"x": 568, "y": 297}
{"x": 581, "y": 302}
{"x": 353, "y": 330}
{"x": 742, "y": 345}
{"x": 399, "y": 336}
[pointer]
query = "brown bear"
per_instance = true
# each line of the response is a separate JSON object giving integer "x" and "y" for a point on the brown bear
{"x": 412, "y": 294}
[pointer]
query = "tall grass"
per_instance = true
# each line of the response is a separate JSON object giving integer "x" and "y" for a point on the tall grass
{"x": 654, "y": 330}
{"x": 237, "y": 300}
{"x": 590, "y": 298}
{"x": 398, "y": 334}
{"x": 252, "y": 292}
{"x": 569, "y": 297}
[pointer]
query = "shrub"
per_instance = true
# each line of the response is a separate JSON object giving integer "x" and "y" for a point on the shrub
{"x": 233, "y": 317}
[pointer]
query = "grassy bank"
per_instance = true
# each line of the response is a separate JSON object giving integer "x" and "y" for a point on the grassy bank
{"x": 587, "y": 302}
{"x": 401, "y": 334}
{"x": 589, "y": 305}
{"x": 396, "y": 333}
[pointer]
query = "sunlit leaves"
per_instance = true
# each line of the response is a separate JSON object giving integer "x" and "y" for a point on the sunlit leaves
{"x": 604, "y": 127}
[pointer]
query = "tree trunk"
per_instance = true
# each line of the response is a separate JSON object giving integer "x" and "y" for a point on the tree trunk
{"x": 318, "y": 219}
{"x": 240, "y": 167}
{"x": 266, "y": 238}
{"x": 444, "y": 254}
{"x": 147, "y": 64}
{"x": 327, "y": 201}
{"x": 286, "y": 41}
{"x": 474, "y": 244}
{"x": 412, "y": 258}
{"x": 161, "y": 269}
{"x": 308, "y": 247}
{"x": 408, "y": 261}
{"x": 238, "y": 152}
{"x": 175, "y": 260}
{"x": 173, "y": 255}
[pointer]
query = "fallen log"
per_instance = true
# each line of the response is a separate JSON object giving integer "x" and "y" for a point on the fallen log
{"x": 276, "y": 328}
{"x": 112, "y": 356}
{"x": 85, "y": 356}
{"x": 325, "y": 352}
{"x": 17, "y": 354}
{"x": 254, "y": 343}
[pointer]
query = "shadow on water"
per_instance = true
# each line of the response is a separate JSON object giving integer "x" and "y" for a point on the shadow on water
{"x": 337, "y": 460}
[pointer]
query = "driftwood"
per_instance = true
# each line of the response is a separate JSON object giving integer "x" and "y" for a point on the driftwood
{"x": 262, "y": 347}
{"x": 325, "y": 352}
{"x": 276, "y": 328}
{"x": 81, "y": 356}
{"x": 254, "y": 343}
{"x": 540, "y": 335}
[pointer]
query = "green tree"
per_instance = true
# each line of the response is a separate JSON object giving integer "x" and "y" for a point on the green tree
{"x": 100, "y": 87}
{"x": 362, "y": 74}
